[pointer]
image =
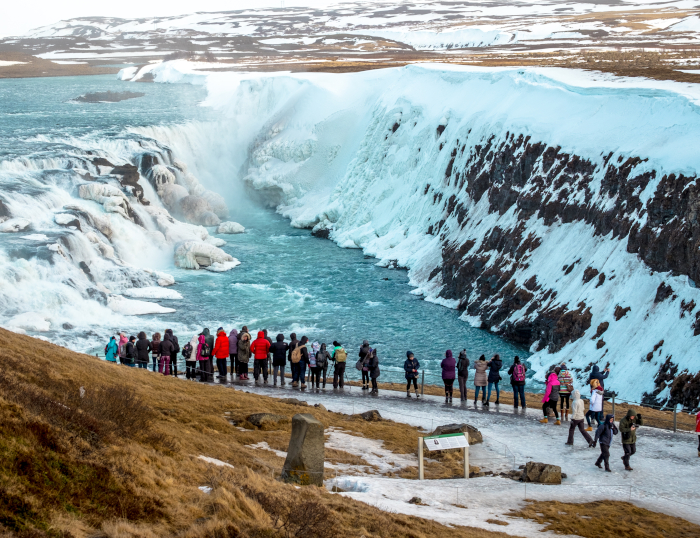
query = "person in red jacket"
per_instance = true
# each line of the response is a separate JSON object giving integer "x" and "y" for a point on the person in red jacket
{"x": 260, "y": 348}
{"x": 697, "y": 430}
{"x": 221, "y": 351}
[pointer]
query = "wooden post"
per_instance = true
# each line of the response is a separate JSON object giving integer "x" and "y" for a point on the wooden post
{"x": 675, "y": 424}
{"x": 613, "y": 403}
{"x": 421, "y": 474}
{"x": 466, "y": 456}
{"x": 422, "y": 382}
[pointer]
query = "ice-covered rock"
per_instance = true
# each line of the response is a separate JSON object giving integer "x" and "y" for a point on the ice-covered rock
{"x": 197, "y": 210}
{"x": 130, "y": 307}
{"x": 112, "y": 199}
{"x": 152, "y": 292}
{"x": 216, "y": 241}
{"x": 197, "y": 254}
{"x": 230, "y": 228}
{"x": 30, "y": 321}
{"x": 14, "y": 225}
{"x": 35, "y": 237}
{"x": 218, "y": 267}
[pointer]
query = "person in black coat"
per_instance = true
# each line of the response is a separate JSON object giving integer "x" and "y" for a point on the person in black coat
{"x": 365, "y": 357}
{"x": 175, "y": 351}
{"x": 304, "y": 362}
{"x": 322, "y": 360}
{"x": 143, "y": 347}
{"x": 600, "y": 376}
{"x": 463, "y": 374}
{"x": 130, "y": 352}
{"x": 374, "y": 371}
{"x": 411, "y": 366}
{"x": 517, "y": 381}
{"x": 604, "y": 434}
{"x": 495, "y": 364}
{"x": 279, "y": 358}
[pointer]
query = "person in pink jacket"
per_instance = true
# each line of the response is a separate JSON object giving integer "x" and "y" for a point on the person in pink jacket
{"x": 551, "y": 396}
{"x": 202, "y": 361}
{"x": 697, "y": 430}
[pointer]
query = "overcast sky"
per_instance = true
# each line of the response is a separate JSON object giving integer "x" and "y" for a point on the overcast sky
{"x": 19, "y": 16}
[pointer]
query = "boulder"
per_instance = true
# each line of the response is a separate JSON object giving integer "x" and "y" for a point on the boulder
{"x": 14, "y": 225}
{"x": 320, "y": 407}
{"x": 541, "y": 473}
{"x": 475, "y": 436}
{"x": 266, "y": 421}
{"x": 371, "y": 416}
{"x": 306, "y": 453}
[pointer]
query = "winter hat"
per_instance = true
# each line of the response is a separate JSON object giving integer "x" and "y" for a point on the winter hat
{"x": 365, "y": 342}
{"x": 482, "y": 358}
{"x": 448, "y": 354}
{"x": 219, "y": 330}
{"x": 409, "y": 354}
{"x": 516, "y": 360}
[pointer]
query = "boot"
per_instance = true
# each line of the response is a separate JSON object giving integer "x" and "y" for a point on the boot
{"x": 294, "y": 384}
{"x": 558, "y": 422}
{"x": 544, "y": 420}
{"x": 450, "y": 398}
{"x": 589, "y": 429}
{"x": 364, "y": 387}
{"x": 597, "y": 464}
{"x": 303, "y": 385}
{"x": 497, "y": 402}
{"x": 408, "y": 394}
{"x": 567, "y": 415}
{"x": 486, "y": 404}
{"x": 447, "y": 398}
{"x": 477, "y": 400}
{"x": 418, "y": 396}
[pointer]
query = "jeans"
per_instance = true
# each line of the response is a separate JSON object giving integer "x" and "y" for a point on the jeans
{"x": 339, "y": 375}
{"x": 564, "y": 398}
{"x": 156, "y": 360}
{"x": 498, "y": 392}
{"x": 299, "y": 372}
{"x": 519, "y": 390}
{"x": 190, "y": 369}
{"x": 280, "y": 370}
{"x": 260, "y": 367}
{"x": 315, "y": 375}
{"x": 234, "y": 364}
{"x": 476, "y": 393}
{"x": 572, "y": 429}
{"x": 164, "y": 365}
{"x": 604, "y": 456}
{"x": 415, "y": 384}
{"x": 221, "y": 366}
{"x": 462, "y": 387}
{"x": 551, "y": 405}
{"x": 365, "y": 378}
{"x": 629, "y": 450}
{"x": 142, "y": 364}
{"x": 597, "y": 415}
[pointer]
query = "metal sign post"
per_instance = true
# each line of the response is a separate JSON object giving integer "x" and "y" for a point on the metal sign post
{"x": 443, "y": 442}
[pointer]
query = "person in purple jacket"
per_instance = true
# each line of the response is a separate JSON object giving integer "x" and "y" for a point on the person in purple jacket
{"x": 448, "y": 374}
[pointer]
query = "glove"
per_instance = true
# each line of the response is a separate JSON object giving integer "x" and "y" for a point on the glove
{"x": 594, "y": 444}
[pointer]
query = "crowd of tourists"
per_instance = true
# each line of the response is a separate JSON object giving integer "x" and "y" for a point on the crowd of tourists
{"x": 204, "y": 351}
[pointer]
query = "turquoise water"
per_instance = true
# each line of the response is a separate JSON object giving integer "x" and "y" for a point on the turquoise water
{"x": 288, "y": 280}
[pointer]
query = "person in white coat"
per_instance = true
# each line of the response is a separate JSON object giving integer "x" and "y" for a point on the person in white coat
{"x": 577, "y": 418}
{"x": 596, "y": 406}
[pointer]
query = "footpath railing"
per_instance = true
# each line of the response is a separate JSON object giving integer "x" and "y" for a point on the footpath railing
{"x": 654, "y": 416}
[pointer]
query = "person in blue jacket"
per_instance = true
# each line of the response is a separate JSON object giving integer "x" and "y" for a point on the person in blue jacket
{"x": 604, "y": 434}
{"x": 411, "y": 366}
{"x": 111, "y": 350}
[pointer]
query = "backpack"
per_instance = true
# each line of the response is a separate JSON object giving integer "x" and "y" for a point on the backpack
{"x": 519, "y": 373}
{"x": 340, "y": 355}
{"x": 187, "y": 350}
{"x": 296, "y": 354}
{"x": 206, "y": 350}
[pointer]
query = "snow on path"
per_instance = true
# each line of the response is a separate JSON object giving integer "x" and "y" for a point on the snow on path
{"x": 664, "y": 479}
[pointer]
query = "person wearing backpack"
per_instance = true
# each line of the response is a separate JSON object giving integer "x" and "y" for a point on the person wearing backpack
{"x": 551, "y": 396}
{"x": 463, "y": 374}
{"x": 243, "y": 355}
{"x": 314, "y": 371}
{"x": 566, "y": 385}
{"x": 130, "y": 352}
{"x": 122, "y": 348}
{"x": 279, "y": 359}
{"x": 300, "y": 358}
{"x": 411, "y": 366}
{"x": 166, "y": 350}
{"x": 188, "y": 353}
{"x": 143, "y": 346}
{"x": 293, "y": 367}
{"x": 155, "y": 350}
{"x": 374, "y": 371}
{"x": 365, "y": 355}
{"x": 111, "y": 350}
{"x": 605, "y": 433}
{"x": 517, "y": 381}
{"x": 174, "y": 352}
{"x": 260, "y": 348}
{"x": 340, "y": 358}
{"x": 202, "y": 355}
{"x": 322, "y": 358}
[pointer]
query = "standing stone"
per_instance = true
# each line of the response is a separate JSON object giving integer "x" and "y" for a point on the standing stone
{"x": 305, "y": 455}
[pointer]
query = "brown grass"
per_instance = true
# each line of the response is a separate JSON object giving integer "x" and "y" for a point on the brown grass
{"x": 38, "y": 67}
{"x": 602, "y": 519}
{"x": 122, "y": 461}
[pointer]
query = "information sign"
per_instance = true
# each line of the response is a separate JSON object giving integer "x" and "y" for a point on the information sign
{"x": 446, "y": 442}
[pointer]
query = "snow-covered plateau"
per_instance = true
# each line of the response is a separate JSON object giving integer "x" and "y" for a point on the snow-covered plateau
{"x": 556, "y": 208}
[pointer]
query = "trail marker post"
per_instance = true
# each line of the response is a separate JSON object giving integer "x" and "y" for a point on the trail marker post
{"x": 422, "y": 382}
{"x": 443, "y": 442}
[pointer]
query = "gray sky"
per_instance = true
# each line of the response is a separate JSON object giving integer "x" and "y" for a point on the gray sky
{"x": 19, "y": 16}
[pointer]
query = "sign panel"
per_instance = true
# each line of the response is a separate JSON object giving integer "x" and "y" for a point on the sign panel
{"x": 446, "y": 442}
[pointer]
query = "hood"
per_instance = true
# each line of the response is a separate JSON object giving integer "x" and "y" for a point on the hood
{"x": 409, "y": 354}
{"x": 462, "y": 354}
{"x": 167, "y": 337}
{"x": 122, "y": 339}
{"x": 113, "y": 338}
{"x": 304, "y": 339}
{"x": 552, "y": 377}
{"x": 323, "y": 347}
{"x": 608, "y": 417}
{"x": 202, "y": 339}
{"x": 280, "y": 337}
{"x": 261, "y": 335}
{"x": 448, "y": 354}
{"x": 206, "y": 332}
{"x": 293, "y": 336}
{"x": 233, "y": 333}
{"x": 577, "y": 395}
{"x": 365, "y": 342}
{"x": 595, "y": 369}
{"x": 194, "y": 340}
{"x": 315, "y": 347}
{"x": 630, "y": 414}
{"x": 169, "y": 331}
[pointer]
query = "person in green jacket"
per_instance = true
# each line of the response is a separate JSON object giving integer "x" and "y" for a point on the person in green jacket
{"x": 628, "y": 429}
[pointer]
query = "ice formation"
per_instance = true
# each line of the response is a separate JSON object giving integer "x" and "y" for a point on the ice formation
{"x": 230, "y": 228}
{"x": 196, "y": 255}
{"x": 554, "y": 207}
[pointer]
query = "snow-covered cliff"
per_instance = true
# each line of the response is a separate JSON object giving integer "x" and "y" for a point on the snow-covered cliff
{"x": 557, "y": 208}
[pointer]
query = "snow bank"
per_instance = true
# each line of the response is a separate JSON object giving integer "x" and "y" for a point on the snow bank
{"x": 389, "y": 161}
{"x": 14, "y": 225}
{"x": 230, "y": 228}
{"x": 152, "y": 292}
{"x": 29, "y": 321}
